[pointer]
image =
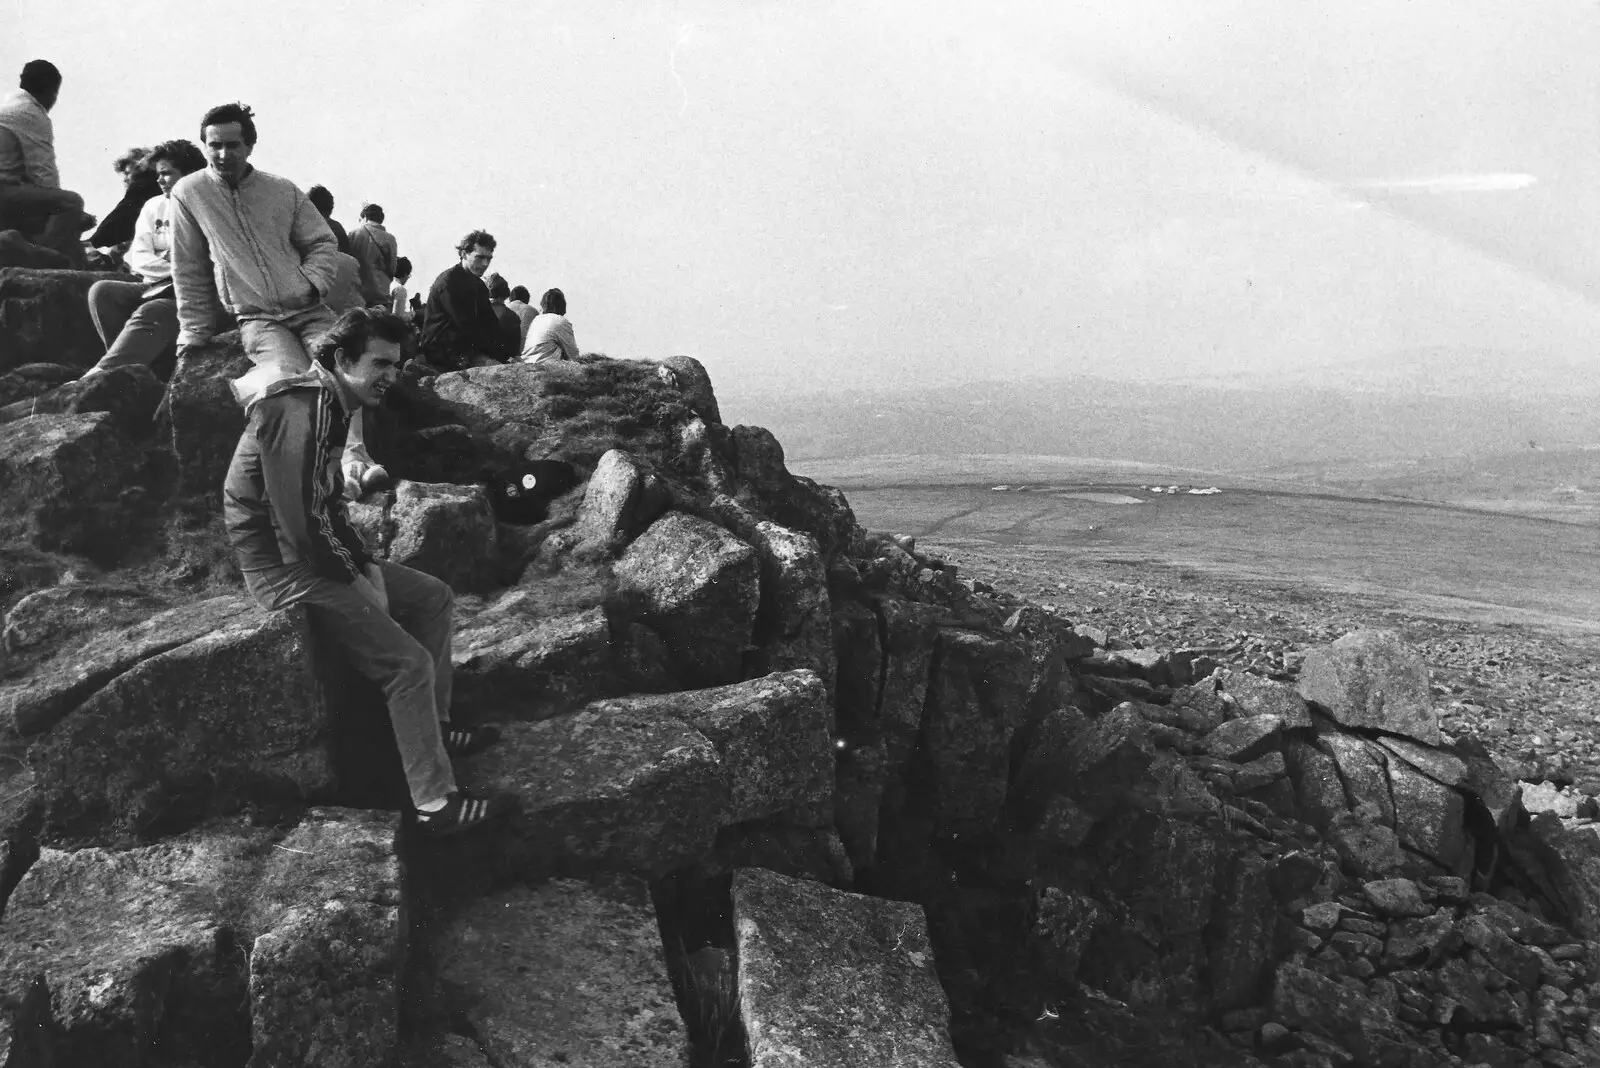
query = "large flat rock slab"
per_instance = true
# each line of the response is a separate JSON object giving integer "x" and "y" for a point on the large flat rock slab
{"x": 136, "y": 949}
{"x": 325, "y": 974}
{"x": 606, "y": 786}
{"x": 829, "y": 979}
{"x": 232, "y": 716}
{"x": 81, "y": 669}
{"x": 646, "y": 781}
{"x": 566, "y": 972}
{"x": 218, "y": 946}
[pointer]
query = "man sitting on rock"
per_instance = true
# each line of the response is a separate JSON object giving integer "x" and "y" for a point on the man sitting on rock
{"x": 284, "y": 510}
{"x": 460, "y": 329}
{"x": 31, "y": 198}
{"x": 269, "y": 248}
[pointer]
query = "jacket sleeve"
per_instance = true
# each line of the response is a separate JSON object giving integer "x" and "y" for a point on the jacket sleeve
{"x": 193, "y": 282}
{"x": 118, "y": 225}
{"x": 318, "y": 248}
{"x": 292, "y": 459}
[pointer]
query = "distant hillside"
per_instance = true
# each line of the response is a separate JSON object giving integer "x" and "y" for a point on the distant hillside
{"x": 1272, "y": 428}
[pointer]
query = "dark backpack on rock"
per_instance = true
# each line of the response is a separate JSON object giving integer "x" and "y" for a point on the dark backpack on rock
{"x": 522, "y": 494}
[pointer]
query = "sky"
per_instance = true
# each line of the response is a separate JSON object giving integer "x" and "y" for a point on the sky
{"x": 817, "y": 195}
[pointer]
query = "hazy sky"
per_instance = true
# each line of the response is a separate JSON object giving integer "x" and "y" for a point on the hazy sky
{"x": 811, "y": 194}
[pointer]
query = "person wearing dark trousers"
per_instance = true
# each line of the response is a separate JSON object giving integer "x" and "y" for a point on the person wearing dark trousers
{"x": 285, "y": 515}
{"x": 138, "y": 321}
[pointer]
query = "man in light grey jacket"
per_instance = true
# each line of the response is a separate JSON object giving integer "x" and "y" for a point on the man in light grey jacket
{"x": 251, "y": 242}
{"x": 254, "y": 243}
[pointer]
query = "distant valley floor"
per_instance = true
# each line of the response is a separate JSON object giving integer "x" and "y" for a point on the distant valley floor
{"x": 1506, "y": 607}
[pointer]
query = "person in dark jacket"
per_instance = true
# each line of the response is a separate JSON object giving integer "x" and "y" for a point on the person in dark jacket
{"x": 322, "y": 200}
{"x": 460, "y": 329}
{"x": 283, "y": 505}
{"x": 139, "y": 187}
{"x": 510, "y": 325}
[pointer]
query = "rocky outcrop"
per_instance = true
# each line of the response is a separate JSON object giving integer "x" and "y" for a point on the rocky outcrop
{"x": 66, "y": 481}
{"x": 834, "y": 979}
{"x": 446, "y": 531}
{"x": 704, "y": 668}
{"x": 646, "y": 782}
{"x": 202, "y": 416}
{"x": 44, "y": 318}
{"x": 697, "y": 586}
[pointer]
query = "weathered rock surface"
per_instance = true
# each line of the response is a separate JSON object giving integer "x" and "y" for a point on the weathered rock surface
{"x": 698, "y": 587}
{"x": 130, "y": 395}
{"x": 620, "y": 501}
{"x": 37, "y": 703}
{"x": 515, "y": 658}
{"x": 646, "y": 781}
{"x": 564, "y": 972}
{"x": 137, "y": 949}
{"x": 325, "y": 973}
{"x": 828, "y": 978}
{"x": 606, "y": 786}
{"x": 233, "y": 715}
{"x": 772, "y": 739}
{"x": 49, "y": 618}
{"x": 793, "y": 620}
{"x": 62, "y": 479}
{"x": 204, "y": 418}
{"x": 1372, "y": 679}
{"x": 446, "y": 531}
{"x": 976, "y": 695}
{"x": 1255, "y": 696}
{"x": 791, "y": 500}
{"x": 44, "y": 318}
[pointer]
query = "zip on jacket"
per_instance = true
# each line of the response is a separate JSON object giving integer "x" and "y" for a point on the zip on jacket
{"x": 256, "y": 249}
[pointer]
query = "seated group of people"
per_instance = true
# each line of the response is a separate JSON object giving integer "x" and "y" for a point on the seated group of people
{"x": 223, "y": 243}
{"x": 475, "y": 319}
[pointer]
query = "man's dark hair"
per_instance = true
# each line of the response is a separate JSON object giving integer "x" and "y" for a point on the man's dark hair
{"x": 520, "y": 293}
{"x": 554, "y": 302}
{"x": 40, "y": 78}
{"x": 184, "y": 155}
{"x": 402, "y": 267}
{"x": 473, "y": 240}
{"x": 321, "y": 199}
{"x": 499, "y": 288}
{"x": 353, "y": 330}
{"x": 373, "y": 212}
{"x": 223, "y": 114}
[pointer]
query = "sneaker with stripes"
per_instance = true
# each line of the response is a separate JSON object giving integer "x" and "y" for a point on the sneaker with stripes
{"x": 461, "y": 813}
{"x": 464, "y": 742}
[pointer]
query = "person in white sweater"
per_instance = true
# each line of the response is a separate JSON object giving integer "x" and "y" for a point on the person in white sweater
{"x": 549, "y": 335}
{"x": 138, "y": 321}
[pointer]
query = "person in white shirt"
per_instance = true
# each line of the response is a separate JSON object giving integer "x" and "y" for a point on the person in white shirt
{"x": 138, "y": 321}
{"x": 550, "y": 335}
{"x": 399, "y": 299}
{"x": 31, "y": 198}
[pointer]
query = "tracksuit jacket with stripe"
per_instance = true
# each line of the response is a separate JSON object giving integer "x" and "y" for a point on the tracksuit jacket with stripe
{"x": 283, "y": 499}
